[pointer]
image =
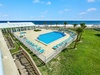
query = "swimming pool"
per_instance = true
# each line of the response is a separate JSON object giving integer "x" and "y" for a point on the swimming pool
{"x": 50, "y": 37}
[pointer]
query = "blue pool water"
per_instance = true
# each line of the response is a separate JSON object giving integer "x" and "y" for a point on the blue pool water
{"x": 50, "y": 37}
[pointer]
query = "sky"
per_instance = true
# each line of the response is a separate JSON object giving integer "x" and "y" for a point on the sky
{"x": 49, "y": 9}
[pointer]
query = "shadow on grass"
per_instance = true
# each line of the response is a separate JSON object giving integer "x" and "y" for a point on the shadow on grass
{"x": 67, "y": 49}
{"x": 41, "y": 64}
{"x": 97, "y": 29}
{"x": 97, "y": 35}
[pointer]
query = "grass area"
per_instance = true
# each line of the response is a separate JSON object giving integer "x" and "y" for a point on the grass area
{"x": 18, "y": 43}
{"x": 15, "y": 44}
{"x": 16, "y": 48}
{"x": 83, "y": 61}
{"x": 37, "y": 30}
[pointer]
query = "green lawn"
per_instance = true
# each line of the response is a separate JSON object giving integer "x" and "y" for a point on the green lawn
{"x": 83, "y": 61}
{"x": 16, "y": 48}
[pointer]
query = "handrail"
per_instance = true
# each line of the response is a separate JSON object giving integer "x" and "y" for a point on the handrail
{"x": 1, "y": 65}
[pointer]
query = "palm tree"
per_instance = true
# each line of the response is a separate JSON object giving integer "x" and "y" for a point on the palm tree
{"x": 78, "y": 31}
{"x": 4, "y": 30}
{"x": 65, "y": 23}
{"x": 75, "y": 26}
{"x": 45, "y": 24}
{"x": 51, "y": 24}
{"x": 83, "y": 26}
{"x": 56, "y": 24}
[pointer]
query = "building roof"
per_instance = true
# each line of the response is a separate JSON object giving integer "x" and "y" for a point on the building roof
{"x": 16, "y": 24}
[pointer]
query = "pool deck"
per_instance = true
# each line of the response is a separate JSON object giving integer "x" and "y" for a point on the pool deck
{"x": 32, "y": 36}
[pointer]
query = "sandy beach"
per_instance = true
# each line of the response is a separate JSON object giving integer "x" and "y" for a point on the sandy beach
{"x": 71, "y": 26}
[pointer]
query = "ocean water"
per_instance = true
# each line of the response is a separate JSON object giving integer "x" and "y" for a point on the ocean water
{"x": 59, "y": 22}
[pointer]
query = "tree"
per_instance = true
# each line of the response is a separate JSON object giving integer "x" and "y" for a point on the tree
{"x": 51, "y": 24}
{"x": 56, "y": 24}
{"x": 65, "y": 23}
{"x": 45, "y": 24}
{"x": 75, "y": 26}
{"x": 78, "y": 31}
{"x": 83, "y": 26}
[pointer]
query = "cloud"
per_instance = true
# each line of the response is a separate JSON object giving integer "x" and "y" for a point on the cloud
{"x": 42, "y": 2}
{"x": 88, "y": 10}
{"x": 82, "y": 13}
{"x": 31, "y": 17}
{"x": 45, "y": 12}
{"x": 5, "y": 15}
{"x": 1, "y": 4}
{"x": 62, "y": 0}
{"x": 42, "y": 16}
{"x": 66, "y": 9}
{"x": 80, "y": 17}
{"x": 63, "y": 11}
{"x": 48, "y": 3}
{"x": 91, "y": 9}
{"x": 36, "y": 1}
{"x": 90, "y": 0}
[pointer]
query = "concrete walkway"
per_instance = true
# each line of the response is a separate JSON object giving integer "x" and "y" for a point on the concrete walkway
{"x": 8, "y": 62}
{"x": 21, "y": 67}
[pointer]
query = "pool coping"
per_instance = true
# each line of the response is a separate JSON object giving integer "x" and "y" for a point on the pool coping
{"x": 41, "y": 42}
{"x": 51, "y": 42}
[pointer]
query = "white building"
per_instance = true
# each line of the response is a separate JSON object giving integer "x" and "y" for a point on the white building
{"x": 18, "y": 26}
{"x": 7, "y": 65}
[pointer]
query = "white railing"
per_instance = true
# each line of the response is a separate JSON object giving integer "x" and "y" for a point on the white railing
{"x": 1, "y": 64}
{"x": 57, "y": 51}
{"x": 41, "y": 56}
{"x": 46, "y": 59}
